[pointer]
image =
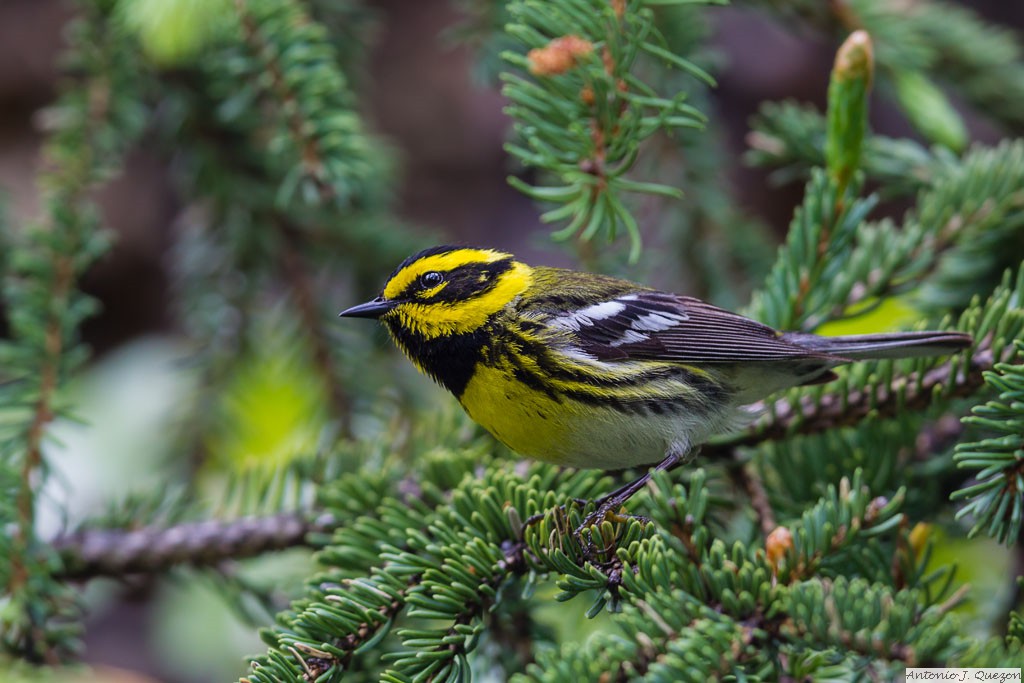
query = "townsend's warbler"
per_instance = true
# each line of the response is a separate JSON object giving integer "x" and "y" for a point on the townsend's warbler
{"x": 586, "y": 370}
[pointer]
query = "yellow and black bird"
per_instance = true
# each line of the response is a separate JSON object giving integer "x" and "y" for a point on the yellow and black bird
{"x": 585, "y": 370}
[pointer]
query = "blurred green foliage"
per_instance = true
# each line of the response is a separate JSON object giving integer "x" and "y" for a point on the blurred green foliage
{"x": 273, "y": 407}
{"x": 175, "y": 32}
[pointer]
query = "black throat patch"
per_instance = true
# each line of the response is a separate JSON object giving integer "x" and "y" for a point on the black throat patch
{"x": 449, "y": 360}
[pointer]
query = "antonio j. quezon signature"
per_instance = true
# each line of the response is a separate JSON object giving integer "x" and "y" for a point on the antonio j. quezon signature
{"x": 989, "y": 675}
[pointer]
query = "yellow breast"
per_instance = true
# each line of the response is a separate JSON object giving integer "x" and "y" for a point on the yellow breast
{"x": 561, "y": 430}
{"x": 527, "y": 421}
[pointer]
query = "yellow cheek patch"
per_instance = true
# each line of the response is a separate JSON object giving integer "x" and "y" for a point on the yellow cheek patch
{"x": 433, "y": 320}
{"x": 427, "y": 293}
{"x": 441, "y": 263}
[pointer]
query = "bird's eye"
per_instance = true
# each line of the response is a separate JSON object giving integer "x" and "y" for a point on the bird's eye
{"x": 431, "y": 279}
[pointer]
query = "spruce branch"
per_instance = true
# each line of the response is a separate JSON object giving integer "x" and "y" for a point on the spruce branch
{"x": 894, "y": 387}
{"x": 309, "y": 662}
{"x": 952, "y": 43}
{"x": 956, "y": 244}
{"x": 861, "y": 617}
{"x": 311, "y": 159}
{"x": 824, "y": 227}
{"x": 980, "y": 210}
{"x": 459, "y": 547}
{"x": 816, "y": 252}
{"x": 581, "y": 110}
{"x": 89, "y": 553}
{"x": 97, "y": 116}
{"x": 813, "y": 414}
{"x": 335, "y": 160}
{"x": 845, "y": 514}
{"x": 995, "y": 496}
{"x": 958, "y": 241}
{"x": 984, "y": 60}
{"x": 790, "y": 138}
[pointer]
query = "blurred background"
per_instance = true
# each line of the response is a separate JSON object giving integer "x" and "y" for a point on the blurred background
{"x": 446, "y": 129}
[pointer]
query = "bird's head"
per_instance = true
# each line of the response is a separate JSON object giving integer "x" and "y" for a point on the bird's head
{"x": 445, "y": 291}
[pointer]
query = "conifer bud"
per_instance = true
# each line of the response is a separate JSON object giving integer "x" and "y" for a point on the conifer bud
{"x": 559, "y": 55}
{"x": 778, "y": 545}
{"x": 848, "y": 106}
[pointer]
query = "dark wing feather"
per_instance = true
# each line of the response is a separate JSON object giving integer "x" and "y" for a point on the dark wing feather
{"x": 654, "y": 325}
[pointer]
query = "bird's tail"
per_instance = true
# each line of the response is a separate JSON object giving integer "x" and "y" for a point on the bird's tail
{"x": 887, "y": 345}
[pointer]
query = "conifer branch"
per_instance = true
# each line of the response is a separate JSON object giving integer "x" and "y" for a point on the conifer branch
{"x": 932, "y": 39}
{"x": 811, "y": 415}
{"x": 994, "y": 498}
{"x": 89, "y": 553}
{"x": 68, "y": 185}
{"x": 790, "y": 138}
{"x": 918, "y": 385}
{"x": 840, "y": 633}
{"x": 42, "y": 413}
{"x": 311, "y": 157}
{"x": 96, "y": 117}
{"x": 335, "y": 160}
{"x": 581, "y": 110}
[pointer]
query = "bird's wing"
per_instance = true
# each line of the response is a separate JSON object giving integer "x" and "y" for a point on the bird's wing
{"x": 653, "y": 325}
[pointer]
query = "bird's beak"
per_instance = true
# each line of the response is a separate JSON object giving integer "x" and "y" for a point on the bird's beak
{"x": 371, "y": 309}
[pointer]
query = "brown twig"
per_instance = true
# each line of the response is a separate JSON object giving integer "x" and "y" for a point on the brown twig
{"x": 42, "y": 413}
{"x": 750, "y": 482}
{"x": 956, "y": 599}
{"x": 103, "y": 552}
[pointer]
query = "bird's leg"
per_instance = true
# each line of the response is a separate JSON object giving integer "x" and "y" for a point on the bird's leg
{"x": 675, "y": 456}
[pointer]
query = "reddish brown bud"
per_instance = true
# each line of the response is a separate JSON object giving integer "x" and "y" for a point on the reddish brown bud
{"x": 558, "y": 56}
{"x": 778, "y": 544}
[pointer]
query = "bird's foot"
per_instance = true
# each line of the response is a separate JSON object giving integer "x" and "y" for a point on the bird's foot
{"x": 580, "y": 502}
{"x": 597, "y": 539}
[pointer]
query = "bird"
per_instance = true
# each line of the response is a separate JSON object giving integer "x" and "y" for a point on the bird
{"x": 590, "y": 371}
